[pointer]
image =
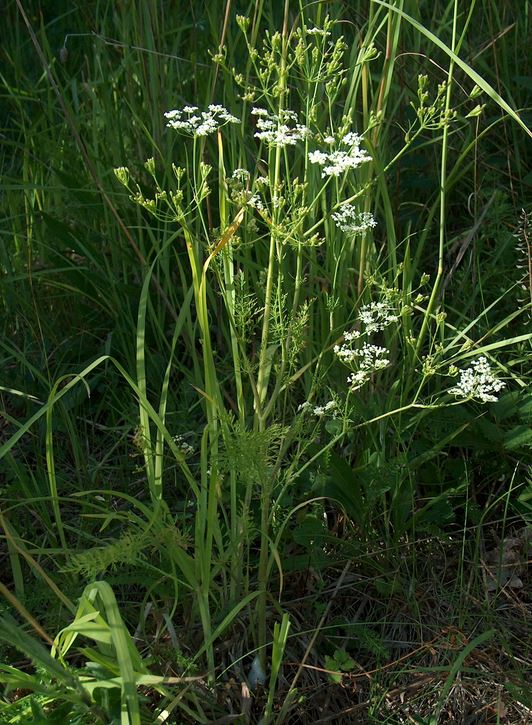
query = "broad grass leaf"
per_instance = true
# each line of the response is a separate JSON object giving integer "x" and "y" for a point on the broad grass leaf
{"x": 311, "y": 531}
{"x": 343, "y": 486}
{"x": 518, "y": 437}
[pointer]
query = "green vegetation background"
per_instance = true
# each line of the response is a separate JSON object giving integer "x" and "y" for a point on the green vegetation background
{"x": 416, "y": 504}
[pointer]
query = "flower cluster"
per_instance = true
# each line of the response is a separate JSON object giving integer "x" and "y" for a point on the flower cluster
{"x": 478, "y": 382}
{"x": 345, "y": 352}
{"x": 281, "y": 130}
{"x": 376, "y": 316}
{"x": 256, "y": 202}
{"x": 122, "y": 174}
{"x": 366, "y": 359}
{"x": 370, "y": 358}
{"x": 352, "y": 221}
{"x": 337, "y": 162}
{"x": 319, "y": 411}
{"x": 185, "y": 448}
{"x": 318, "y": 31}
{"x": 365, "y": 356}
{"x": 241, "y": 175}
{"x": 189, "y": 121}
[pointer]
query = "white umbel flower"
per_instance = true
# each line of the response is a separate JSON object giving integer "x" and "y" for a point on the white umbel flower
{"x": 256, "y": 202}
{"x": 366, "y": 360}
{"x": 371, "y": 359}
{"x": 375, "y": 316}
{"x": 351, "y": 221}
{"x": 279, "y": 130}
{"x": 188, "y": 121}
{"x": 328, "y": 408}
{"x": 318, "y": 157}
{"x": 337, "y": 162}
{"x": 317, "y": 31}
{"x": 478, "y": 382}
{"x": 241, "y": 175}
{"x": 185, "y": 448}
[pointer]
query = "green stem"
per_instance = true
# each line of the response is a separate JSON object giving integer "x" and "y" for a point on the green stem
{"x": 443, "y": 182}
{"x": 265, "y": 367}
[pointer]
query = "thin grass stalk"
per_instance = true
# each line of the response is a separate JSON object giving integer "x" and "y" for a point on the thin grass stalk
{"x": 144, "y": 418}
{"x": 280, "y": 637}
{"x": 50, "y": 461}
{"x": 21, "y": 609}
{"x": 365, "y": 97}
{"x": 263, "y": 376}
{"x": 265, "y": 352}
{"x": 476, "y": 77}
{"x": 229, "y": 285}
{"x": 392, "y": 41}
{"x": 69, "y": 118}
{"x": 207, "y": 528}
{"x": 12, "y": 541}
{"x": 229, "y": 298}
{"x": 159, "y": 442}
{"x": 443, "y": 194}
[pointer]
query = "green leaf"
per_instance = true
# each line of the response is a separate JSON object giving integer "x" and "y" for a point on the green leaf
{"x": 310, "y": 531}
{"x": 333, "y": 426}
{"x": 438, "y": 512}
{"x": 343, "y": 485}
{"x": 344, "y": 660}
{"x": 331, "y": 664}
{"x": 518, "y": 437}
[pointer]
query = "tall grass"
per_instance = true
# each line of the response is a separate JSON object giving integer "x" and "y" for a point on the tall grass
{"x": 179, "y": 417}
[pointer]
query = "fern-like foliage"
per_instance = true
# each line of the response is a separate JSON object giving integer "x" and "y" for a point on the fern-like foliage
{"x": 251, "y": 453}
{"x": 129, "y": 549}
